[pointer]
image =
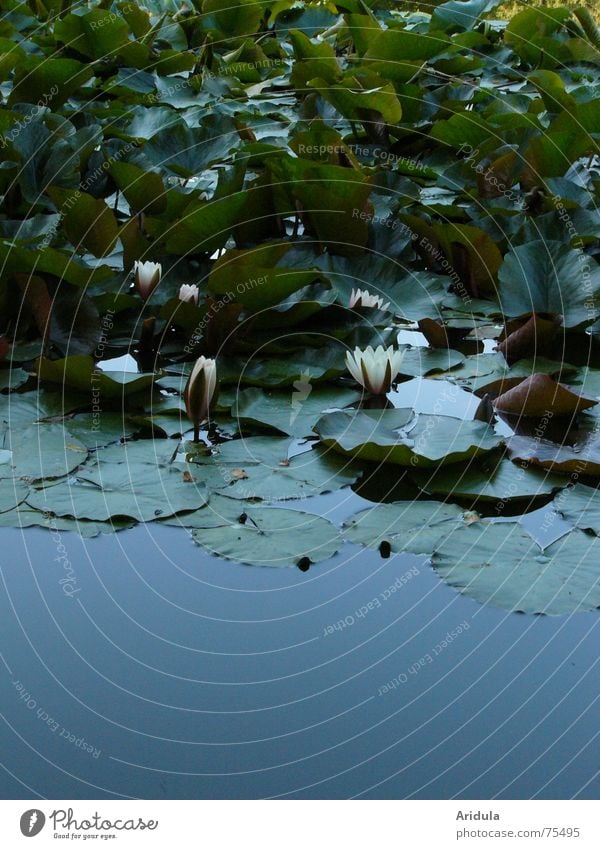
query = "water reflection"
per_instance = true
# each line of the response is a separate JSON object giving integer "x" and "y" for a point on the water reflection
{"x": 196, "y": 678}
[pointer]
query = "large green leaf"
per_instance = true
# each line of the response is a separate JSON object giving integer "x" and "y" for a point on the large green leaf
{"x": 400, "y": 525}
{"x": 140, "y": 491}
{"x": 293, "y": 413}
{"x": 81, "y": 373}
{"x": 260, "y": 468}
{"x": 491, "y": 479}
{"x": 406, "y": 438}
{"x": 550, "y": 277}
{"x": 44, "y": 451}
{"x": 501, "y": 565}
{"x": 43, "y": 80}
{"x": 88, "y": 221}
{"x": 580, "y": 505}
{"x": 265, "y": 536}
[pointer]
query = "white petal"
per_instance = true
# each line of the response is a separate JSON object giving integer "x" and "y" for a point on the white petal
{"x": 353, "y": 366}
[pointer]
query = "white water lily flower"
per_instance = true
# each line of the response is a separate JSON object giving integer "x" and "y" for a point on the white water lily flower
{"x": 374, "y": 369}
{"x": 146, "y": 277}
{"x": 189, "y": 294}
{"x": 200, "y": 390}
{"x": 363, "y": 298}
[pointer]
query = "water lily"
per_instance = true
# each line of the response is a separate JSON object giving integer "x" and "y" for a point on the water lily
{"x": 200, "y": 392}
{"x": 189, "y": 294}
{"x": 363, "y": 298}
{"x": 146, "y": 277}
{"x": 374, "y": 369}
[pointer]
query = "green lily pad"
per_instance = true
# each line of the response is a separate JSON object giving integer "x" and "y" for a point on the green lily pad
{"x": 421, "y": 361}
{"x": 12, "y": 493}
{"x": 259, "y": 468}
{"x": 139, "y": 491}
{"x": 400, "y": 524}
{"x": 79, "y": 372}
{"x": 501, "y": 565}
{"x": 546, "y": 277}
{"x": 404, "y": 437}
{"x": 156, "y": 452}
{"x": 293, "y": 413}
{"x": 490, "y": 480}
{"x": 580, "y": 505}
{"x": 266, "y": 536}
{"x": 96, "y": 431}
{"x": 583, "y": 458}
{"x": 313, "y": 365}
{"x": 25, "y": 517}
{"x": 44, "y": 451}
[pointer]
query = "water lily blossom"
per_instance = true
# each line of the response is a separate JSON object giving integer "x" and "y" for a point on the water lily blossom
{"x": 189, "y": 294}
{"x": 374, "y": 369}
{"x": 200, "y": 393}
{"x": 363, "y": 298}
{"x": 146, "y": 277}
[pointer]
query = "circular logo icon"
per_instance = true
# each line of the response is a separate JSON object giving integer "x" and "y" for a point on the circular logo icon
{"x": 32, "y": 822}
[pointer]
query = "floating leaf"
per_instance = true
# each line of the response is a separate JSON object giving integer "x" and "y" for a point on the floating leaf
{"x": 45, "y": 451}
{"x": 265, "y": 536}
{"x": 400, "y": 525}
{"x": 293, "y": 413}
{"x": 580, "y": 506}
{"x": 532, "y": 337}
{"x": 488, "y": 480}
{"x": 12, "y": 493}
{"x": 404, "y": 437}
{"x": 539, "y": 395}
{"x": 139, "y": 491}
{"x": 501, "y": 565}
{"x": 81, "y": 373}
{"x": 259, "y": 468}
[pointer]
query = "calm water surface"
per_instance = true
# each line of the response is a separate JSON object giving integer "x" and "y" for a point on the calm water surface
{"x": 192, "y": 677}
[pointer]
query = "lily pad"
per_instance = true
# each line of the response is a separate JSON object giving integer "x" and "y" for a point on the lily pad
{"x": 501, "y": 565}
{"x": 404, "y": 437}
{"x": 259, "y": 468}
{"x": 400, "y": 525}
{"x": 79, "y": 372}
{"x": 490, "y": 480}
{"x": 539, "y": 395}
{"x": 546, "y": 277}
{"x": 581, "y": 458}
{"x": 266, "y": 536}
{"x": 156, "y": 452}
{"x": 580, "y": 505}
{"x": 12, "y": 493}
{"x": 421, "y": 361}
{"x": 293, "y": 413}
{"x": 139, "y": 491}
{"x": 44, "y": 451}
{"x": 25, "y": 517}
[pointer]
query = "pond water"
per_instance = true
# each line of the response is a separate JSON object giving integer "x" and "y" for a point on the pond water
{"x": 137, "y": 665}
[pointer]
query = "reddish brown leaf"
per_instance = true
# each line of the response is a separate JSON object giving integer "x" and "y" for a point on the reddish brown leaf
{"x": 540, "y": 394}
{"x": 528, "y": 337}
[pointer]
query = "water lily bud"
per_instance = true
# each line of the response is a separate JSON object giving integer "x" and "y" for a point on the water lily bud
{"x": 200, "y": 391}
{"x": 363, "y": 298}
{"x": 146, "y": 277}
{"x": 189, "y": 294}
{"x": 374, "y": 369}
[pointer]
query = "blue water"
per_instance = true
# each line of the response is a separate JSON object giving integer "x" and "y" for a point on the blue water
{"x": 161, "y": 672}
